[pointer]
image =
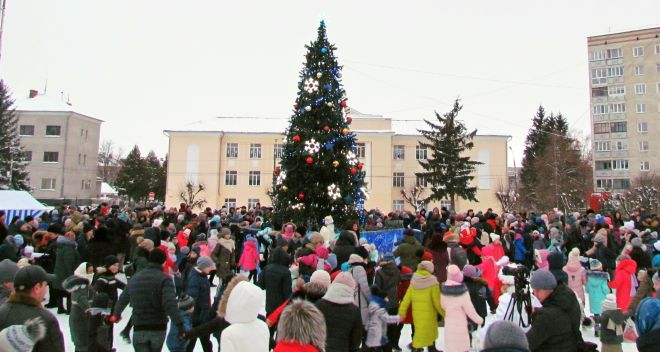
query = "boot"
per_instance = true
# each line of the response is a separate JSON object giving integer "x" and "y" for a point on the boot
{"x": 432, "y": 348}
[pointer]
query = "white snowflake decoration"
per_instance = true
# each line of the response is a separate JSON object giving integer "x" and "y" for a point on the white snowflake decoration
{"x": 351, "y": 158}
{"x": 280, "y": 178}
{"x": 334, "y": 192}
{"x": 312, "y": 146}
{"x": 298, "y": 206}
{"x": 364, "y": 192}
{"x": 311, "y": 85}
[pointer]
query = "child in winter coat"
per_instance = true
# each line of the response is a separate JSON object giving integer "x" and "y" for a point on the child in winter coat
{"x": 79, "y": 287}
{"x": 478, "y": 290}
{"x": 597, "y": 289}
{"x": 186, "y": 306}
{"x": 250, "y": 258}
{"x": 301, "y": 328}
{"x": 577, "y": 275}
{"x": 624, "y": 282}
{"x": 378, "y": 320}
{"x": 458, "y": 309}
{"x": 612, "y": 323}
{"x": 520, "y": 251}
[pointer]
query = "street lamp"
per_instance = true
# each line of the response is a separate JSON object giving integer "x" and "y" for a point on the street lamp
{"x": 515, "y": 171}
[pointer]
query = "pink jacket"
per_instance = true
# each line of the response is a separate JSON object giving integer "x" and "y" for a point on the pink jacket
{"x": 250, "y": 257}
{"x": 577, "y": 277}
{"x": 458, "y": 308}
{"x": 494, "y": 250}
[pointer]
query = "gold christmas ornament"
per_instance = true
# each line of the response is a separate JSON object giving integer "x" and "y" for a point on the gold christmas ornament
{"x": 335, "y": 163}
{"x": 346, "y": 131}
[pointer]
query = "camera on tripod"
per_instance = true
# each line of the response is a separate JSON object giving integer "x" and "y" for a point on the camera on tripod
{"x": 521, "y": 300}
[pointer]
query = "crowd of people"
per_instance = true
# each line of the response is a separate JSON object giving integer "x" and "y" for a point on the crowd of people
{"x": 520, "y": 281}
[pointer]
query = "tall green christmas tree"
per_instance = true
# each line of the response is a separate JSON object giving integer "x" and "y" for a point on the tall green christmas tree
{"x": 320, "y": 174}
{"x": 13, "y": 173}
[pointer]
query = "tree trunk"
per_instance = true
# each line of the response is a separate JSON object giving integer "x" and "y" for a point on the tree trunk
{"x": 452, "y": 197}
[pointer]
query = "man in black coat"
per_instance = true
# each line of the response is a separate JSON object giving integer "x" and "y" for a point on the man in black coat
{"x": 276, "y": 280}
{"x": 151, "y": 294}
{"x": 199, "y": 289}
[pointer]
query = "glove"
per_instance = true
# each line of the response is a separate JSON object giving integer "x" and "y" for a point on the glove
{"x": 113, "y": 319}
{"x": 181, "y": 333}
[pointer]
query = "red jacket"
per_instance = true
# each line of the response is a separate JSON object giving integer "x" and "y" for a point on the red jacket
{"x": 291, "y": 346}
{"x": 182, "y": 239}
{"x": 623, "y": 276}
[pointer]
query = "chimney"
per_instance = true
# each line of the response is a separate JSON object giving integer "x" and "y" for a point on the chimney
{"x": 33, "y": 93}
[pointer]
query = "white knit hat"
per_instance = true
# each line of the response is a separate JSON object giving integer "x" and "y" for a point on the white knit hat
{"x": 22, "y": 338}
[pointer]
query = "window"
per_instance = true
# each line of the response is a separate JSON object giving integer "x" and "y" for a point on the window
{"x": 84, "y": 159}
{"x": 619, "y": 126}
{"x": 82, "y": 132}
{"x": 254, "y": 178}
{"x": 421, "y": 181}
{"x": 79, "y": 158}
{"x": 398, "y": 179}
{"x": 638, "y": 51}
{"x": 27, "y": 155}
{"x": 230, "y": 203}
{"x": 603, "y": 183}
{"x": 232, "y": 150}
{"x": 255, "y": 151}
{"x": 53, "y": 130}
{"x": 599, "y": 92}
{"x": 620, "y": 183}
{"x": 82, "y": 184}
{"x": 640, "y": 108}
{"x": 620, "y": 164}
{"x": 600, "y": 109}
{"x": 644, "y": 166}
{"x": 26, "y": 130}
{"x": 601, "y": 128}
{"x": 657, "y": 87}
{"x": 598, "y": 75}
{"x": 398, "y": 152}
{"x": 86, "y": 134}
{"x": 639, "y": 70}
{"x": 644, "y": 146}
{"x": 614, "y": 53}
{"x": 657, "y": 49}
{"x": 445, "y": 203}
{"x": 617, "y": 108}
{"x": 602, "y": 146}
{"x": 48, "y": 184}
{"x": 597, "y": 55}
{"x": 616, "y": 71}
{"x": 642, "y": 127}
{"x": 657, "y": 68}
{"x": 620, "y": 145}
{"x": 397, "y": 205}
{"x": 603, "y": 165}
{"x": 51, "y": 157}
{"x": 640, "y": 88}
{"x": 252, "y": 203}
{"x": 420, "y": 152}
{"x": 277, "y": 151}
{"x": 360, "y": 150}
{"x": 230, "y": 178}
{"x": 616, "y": 90}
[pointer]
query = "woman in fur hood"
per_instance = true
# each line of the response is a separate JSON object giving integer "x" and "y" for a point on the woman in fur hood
{"x": 301, "y": 329}
{"x": 78, "y": 286}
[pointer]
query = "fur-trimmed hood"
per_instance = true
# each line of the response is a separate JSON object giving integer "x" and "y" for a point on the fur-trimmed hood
{"x": 222, "y": 306}
{"x": 302, "y": 322}
{"x": 74, "y": 283}
{"x": 423, "y": 279}
{"x": 339, "y": 294}
{"x": 598, "y": 274}
{"x": 453, "y": 290}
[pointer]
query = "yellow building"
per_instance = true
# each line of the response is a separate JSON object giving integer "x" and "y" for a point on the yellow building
{"x": 234, "y": 159}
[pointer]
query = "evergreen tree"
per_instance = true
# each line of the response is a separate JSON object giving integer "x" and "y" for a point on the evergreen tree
{"x": 534, "y": 144}
{"x": 155, "y": 175}
{"x": 447, "y": 171}
{"x": 13, "y": 173}
{"x": 131, "y": 178}
{"x": 320, "y": 174}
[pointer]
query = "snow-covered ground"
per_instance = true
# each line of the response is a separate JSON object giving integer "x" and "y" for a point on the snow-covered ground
{"x": 587, "y": 333}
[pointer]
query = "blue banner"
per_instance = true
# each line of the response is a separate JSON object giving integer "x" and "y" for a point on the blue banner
{"x": 383, "y": 240}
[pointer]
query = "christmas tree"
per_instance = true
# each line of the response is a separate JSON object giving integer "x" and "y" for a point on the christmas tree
{"x": 13, "y": 173}
{"x": 320, "y": 174}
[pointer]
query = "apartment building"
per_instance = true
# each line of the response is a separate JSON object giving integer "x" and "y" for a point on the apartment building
{"x": 625, "y": 106}
{"x": 235, "y": 157}
{"x": 61, "y": 146}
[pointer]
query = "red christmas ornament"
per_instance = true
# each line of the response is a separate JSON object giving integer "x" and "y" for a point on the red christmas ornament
{"x": 301, "y": 195}
{"x": 353, "y": 171}
{"x": 359, "y": 165}
{"x": 349, "y": 119}
{"x": 296, "y": 138}
{"x": 326, "y": 128}
{"x": 277, "y": 171}
{"x": 343, "y": 103}
{"x": 310, "y": 160}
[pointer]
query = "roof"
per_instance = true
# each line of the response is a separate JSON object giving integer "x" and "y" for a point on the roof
{"x": 48, "y": 103}
{"x": 107, "y": 189}
{"x": 19, "y": 200}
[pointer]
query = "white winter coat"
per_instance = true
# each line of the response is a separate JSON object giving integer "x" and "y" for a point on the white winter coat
{"x": 246, "y": 333}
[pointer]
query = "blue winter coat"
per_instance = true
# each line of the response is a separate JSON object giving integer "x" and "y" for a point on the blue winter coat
{"x": 521, "y": 251}
{"x": 597, "y": 289}
{"x": 656, "y": 260}
{"x": 199, "y": 288}
{"x": 174, "y": 344}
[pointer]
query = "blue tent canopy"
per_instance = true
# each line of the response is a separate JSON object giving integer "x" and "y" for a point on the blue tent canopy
{"x": 19, "y": 203}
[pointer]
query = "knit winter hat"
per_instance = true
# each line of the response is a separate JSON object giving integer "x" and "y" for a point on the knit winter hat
{"x": 22, "y": 338}
{"x": 8, "y": 270}
{"x": 595, "y": 264}
{"x": 345, "y": 278}
{"x": 147, "y": 244}
{"x": 450, "y": 237}
{"x": 157, "y": 256}
{"x": 322, "y": 252}
{"x": 471, "y": 271}
{"x": 204, "y": 262}
{"x": 656, "y": 245}
{"x": 504, "y": 334}
{"x": 185, "y": 302}
{"x": 609, "y": 303}
{"x": 185, "y": 250}
{"x": 320, "y": 277}
{"x": 543, "y": 280}
{"x": 494, "y": 237}
{"x": 599, "y": 239}
{"x": 656, "y": 279}
{"x": 354, "y": 258}
{"x": 454, "y": 274}
{"x": 157, "y": 222}
{"x": 636, "y": 242}
{"x": 110, "y": 261}
{"x": 425, "y": 265}
{"x": 574, "y": 253}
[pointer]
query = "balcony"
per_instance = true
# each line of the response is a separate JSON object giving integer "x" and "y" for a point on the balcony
{"x": 602, "y": 155}
{"x": 617, "y": 116}
{"x": 619, "y": 135}
{"x": 602, "y": 173}
{"x": 598, "y": 100}
{"x": 601, "y": 136}
{"x": 615, "y": 80}
{"x": 617, "y": 61}
{"x": 601, "y": 117}
{"x": 613, "y": 98}
{"x": 620, "y": 173}
{"x": 619, "y": 153}
{"x": 599, "y": 63}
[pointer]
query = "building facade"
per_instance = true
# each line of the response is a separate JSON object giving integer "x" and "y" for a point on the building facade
{"x": 234, "y": 159}
{"x": 625, "y": 106}
{"x": 61, "y": 146}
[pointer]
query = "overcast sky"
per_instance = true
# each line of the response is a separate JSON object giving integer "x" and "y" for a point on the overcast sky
{"x": 144, "y": 66}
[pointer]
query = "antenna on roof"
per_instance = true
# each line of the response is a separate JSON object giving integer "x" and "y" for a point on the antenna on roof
{"x": 68, "y": 99}
{"x": 46, "y": 86}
